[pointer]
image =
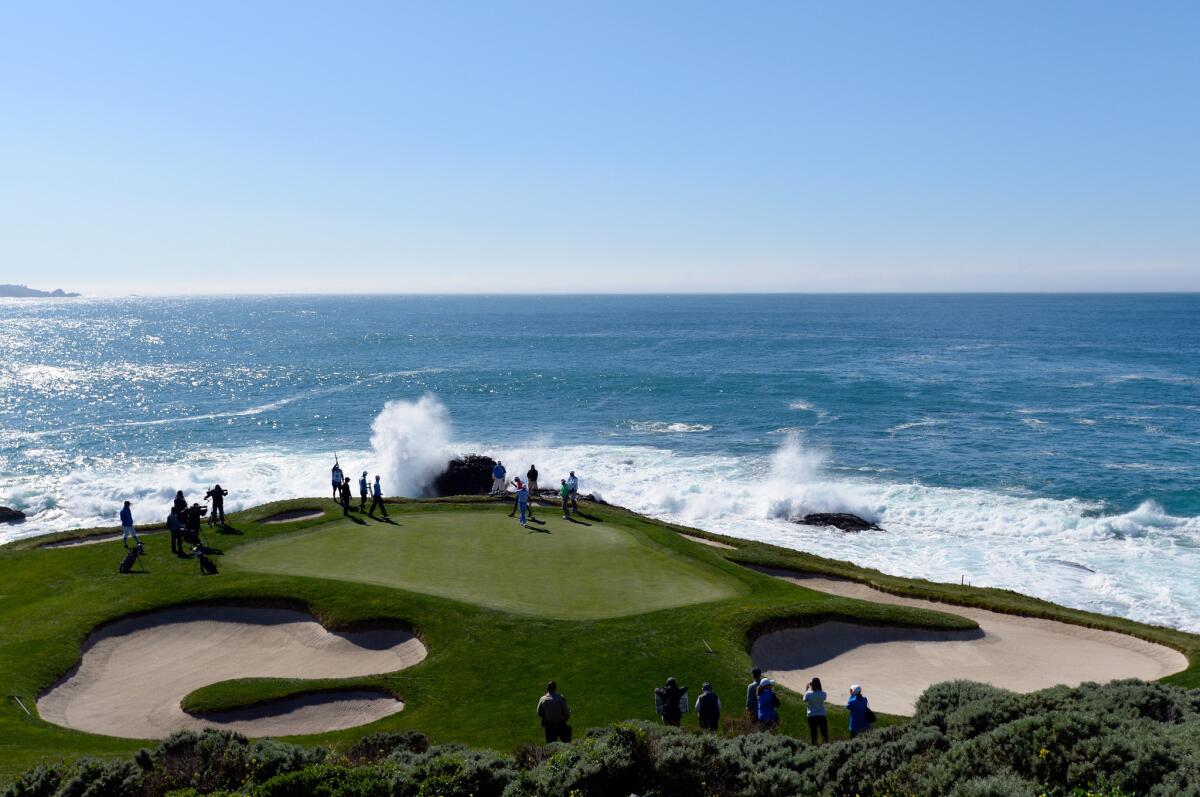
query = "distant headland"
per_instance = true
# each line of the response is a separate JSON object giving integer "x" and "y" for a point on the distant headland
{"x": 24, "y": 292}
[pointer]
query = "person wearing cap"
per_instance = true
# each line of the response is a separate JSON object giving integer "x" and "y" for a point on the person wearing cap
{"x": 554, "y": 713}
{"x": 522, "y": 501}
{"x": 127, "y": 530}
{"x": 335, "y": 476}
{"x": 364, "y": 489}
{"x": 532, "y": 476}
{"x": 564, "y": 492}
{"x": 669, "y": 697}
{"x": 377, "y": 501}
{"x": 814, "y": 698}
{"x": 752, "y": 693}
{"x": 768, "y": 703}
{"x": 499, "y": 473}
{"x": 708, "y": 708}
{"x": 860, "y": 712}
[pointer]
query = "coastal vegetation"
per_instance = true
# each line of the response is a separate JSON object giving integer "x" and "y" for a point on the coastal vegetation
{"x": 608, "y": 606}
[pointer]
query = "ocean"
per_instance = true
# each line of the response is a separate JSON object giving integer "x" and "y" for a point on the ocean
{"x": 1043, "y": 443}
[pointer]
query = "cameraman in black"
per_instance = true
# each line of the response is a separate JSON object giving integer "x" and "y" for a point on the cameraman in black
{"x": 218, "y": 504}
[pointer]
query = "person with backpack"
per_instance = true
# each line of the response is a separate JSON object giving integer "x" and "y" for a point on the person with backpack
{"x": 861, "y": 715}
{"x": 378, "y": 500}
{"x": 564, "y": 492}
{"x": 364, "y": 490}
{"x": 669, "y": 701}
{"x": 345, "y": 494}
{"x": 175, "y": 526}
{"x": 336, "y": 477}
{"x": 708, "y": 708}
{"x": 217, "y": 494}
{"x": 127, "y": 529}
{"x": 752, "y": 693}
{"x": 499, "y": 476}
{"x": 554, "y": 713}
{"x": 814, "y": 698}
{"x": 768, "y": 705}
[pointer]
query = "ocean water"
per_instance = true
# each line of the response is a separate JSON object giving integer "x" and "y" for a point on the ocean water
{"x": 1044, "y": 443}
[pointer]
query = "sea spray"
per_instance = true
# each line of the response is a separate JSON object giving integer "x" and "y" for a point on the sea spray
{"x": 411, "y": 444}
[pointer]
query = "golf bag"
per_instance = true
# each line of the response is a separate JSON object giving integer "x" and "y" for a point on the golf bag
{"x": 131, "y": 557}
{"x": 207, "y": 566}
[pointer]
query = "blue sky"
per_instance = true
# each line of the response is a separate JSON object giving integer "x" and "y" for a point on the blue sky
{"x": 600, "y": 146}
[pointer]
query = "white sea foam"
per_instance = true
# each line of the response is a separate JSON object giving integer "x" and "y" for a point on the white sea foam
{"x": 989, "y": 538}
{"x": 668, "y": 427}
{"x": 902, "y": 427}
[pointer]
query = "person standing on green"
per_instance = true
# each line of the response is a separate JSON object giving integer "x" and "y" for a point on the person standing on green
{"x": 364, "y": 490}
{"x": 564, "y": 492}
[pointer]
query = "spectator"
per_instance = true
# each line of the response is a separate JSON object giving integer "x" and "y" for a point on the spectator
{"x": 814, "y": 698}
{"x": 708, "y": 708}
{"x": 499, "y": 478}
{"x": 861, "y": 715}
{"x": 127, "y": 530}
{"x": 363, "y": 491}
{"x": 768, "y": 703}
{"x": 180, "y": 504}
{"x": 554, "y": 713}
{"x": 752, "y": 693}
{"x": 669, "y": 698}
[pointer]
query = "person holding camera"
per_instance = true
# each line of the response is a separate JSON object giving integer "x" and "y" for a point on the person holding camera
{"x": 814, "y": 698}
{"x": 217, "y": 496}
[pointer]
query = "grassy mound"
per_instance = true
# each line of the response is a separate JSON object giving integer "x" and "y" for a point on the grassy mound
{"x": 577, "y": 569}
{"x": 607, "y": 609}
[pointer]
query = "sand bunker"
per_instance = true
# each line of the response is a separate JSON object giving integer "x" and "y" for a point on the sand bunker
{"x": 293, "y": 515}
{"x": 708, "y": 542}
{"x": 135, "y": 672}
{"x": 895, "y": 665}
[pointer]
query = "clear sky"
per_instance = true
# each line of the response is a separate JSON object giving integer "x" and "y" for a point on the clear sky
{"x": 173, "y": 147}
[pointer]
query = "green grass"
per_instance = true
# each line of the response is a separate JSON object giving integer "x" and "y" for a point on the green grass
{"x": 560, "y": 569}
{"x": 609, "y": 610}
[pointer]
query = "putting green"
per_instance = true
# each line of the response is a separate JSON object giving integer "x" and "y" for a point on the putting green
{"x": 568, "y": 570}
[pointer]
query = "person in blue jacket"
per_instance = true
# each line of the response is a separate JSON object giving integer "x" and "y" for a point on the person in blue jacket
{"x": 127, "y": 526}
{"x": 499, "y": 478}
{"x": 522, "y": 501}
{"x": 768, "y": 703}
{"x": 860, "y": 712}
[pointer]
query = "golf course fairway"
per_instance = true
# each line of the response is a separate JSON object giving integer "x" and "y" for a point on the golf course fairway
{"x": 608, "y": 604}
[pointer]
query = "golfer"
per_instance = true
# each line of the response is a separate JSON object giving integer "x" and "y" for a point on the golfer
{"x": 378, "y": 500}
{"x": 522, "y": 500}
{"x": 564, "y": 492}
{"x": 573, "y": 483}
{"x": 127, "y": 526}
{"x": 336, "y": 477}
{"x": 364, "y": 489}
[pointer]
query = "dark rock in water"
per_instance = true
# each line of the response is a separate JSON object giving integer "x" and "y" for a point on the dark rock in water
{"x": 469, "y": 475}
{"x": 8, "y": 515}
{"x": 839, "y": 520}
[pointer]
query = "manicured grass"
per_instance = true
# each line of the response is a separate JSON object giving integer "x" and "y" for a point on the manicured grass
{"x": 579, "y": 569}
{"x": 487, "y": 665}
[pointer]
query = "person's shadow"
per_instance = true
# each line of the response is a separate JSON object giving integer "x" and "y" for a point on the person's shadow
{"x": 225, "y": 528}
{"x": 578, "y": 522}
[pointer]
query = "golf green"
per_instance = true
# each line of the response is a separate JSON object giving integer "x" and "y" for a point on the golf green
{"x": 580, "y": 569}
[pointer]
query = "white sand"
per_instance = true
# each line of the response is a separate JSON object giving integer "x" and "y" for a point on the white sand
{"x": 709, "y": 543}
{"x": 293, "y": 516}
{"x": 135, "y": 672}
{"x": 894, "y": 665}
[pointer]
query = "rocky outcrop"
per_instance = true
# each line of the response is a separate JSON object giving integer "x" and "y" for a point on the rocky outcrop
{"x": 467, "y": 475}
{"x": 843, "y": 521}
{"x": 8, "y": 515}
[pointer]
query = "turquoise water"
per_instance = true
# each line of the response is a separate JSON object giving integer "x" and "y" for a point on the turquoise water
{"x": 1043, "y": 443}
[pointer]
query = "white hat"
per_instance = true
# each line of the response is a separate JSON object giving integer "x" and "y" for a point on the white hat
{"x": 855, "y": 689}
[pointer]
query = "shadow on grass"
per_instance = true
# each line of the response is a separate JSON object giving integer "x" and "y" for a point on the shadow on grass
{"x": 576, "y": 522}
